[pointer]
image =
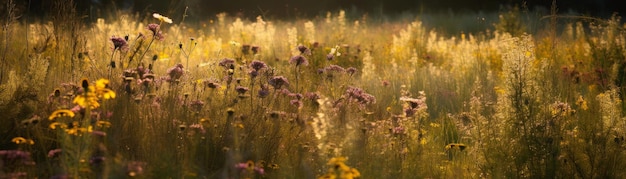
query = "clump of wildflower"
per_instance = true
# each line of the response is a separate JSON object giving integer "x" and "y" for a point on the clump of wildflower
{"x": 119, "y": 43}
{"x": 561, "y": 109}
{"x": 338, "y": 169}
{"x": 299, "y": 60}
{"x": 582, "y": 103}
{"x": 414, "y": 105}
{"x": 334, "y": 68}
{"x": 278, "y": 82}
{"x": 359, "y": 96}
{"x": 9, "y": 157}
{"x": 175, "y": 73}
{"x": 93, "y": 93}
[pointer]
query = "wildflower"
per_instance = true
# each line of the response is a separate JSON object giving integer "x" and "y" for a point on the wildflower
{"x": 15, "y": 156}
{"x": 103, "y": 124}
{"x": 299, "y": 60}
{"x": 263, "y": 92}
{"x": 119, "y": 43}
{"x": 22, "y": 140}
{"x": 330, "y": 57}
{"x": 227, "y": 63}
{"x": 61, "y": 113}
{"x": 582, "y": 103}
{"x": 213, "y": 84}
{"x": 304, "y": 50}
{"x": 278, "y": 81}
{"x": 175, "y": 72}
{"x": 156, "y": 33}
{"x": 255, "y": 49}
{"x": 312, "y": 96}
{"x": 162, "y": 18}
{"x": 90, "y": 100}
{"x": 358, "y": 95}
{"x": 253, "y": 73}
{"x": 245, "y": 49}
{"x": 296, "y": 103}
{"x": 334, "y": 68}
{"x": 54, "y": 152}
{"x": 351, "y": 71}
{"x": 561, "y": 109}
{"x": 54, "y": 125}
{"x": 241, "y": 89}
{"x": 258, "y": 65}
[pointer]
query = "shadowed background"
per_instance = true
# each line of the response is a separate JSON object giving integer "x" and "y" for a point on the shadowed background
{"x": 288, "y": 9}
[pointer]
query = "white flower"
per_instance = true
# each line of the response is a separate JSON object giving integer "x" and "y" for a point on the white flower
{"x": 162, "y": 18}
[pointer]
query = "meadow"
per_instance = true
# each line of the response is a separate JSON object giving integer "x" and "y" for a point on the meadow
{"x": 516, "y": 95}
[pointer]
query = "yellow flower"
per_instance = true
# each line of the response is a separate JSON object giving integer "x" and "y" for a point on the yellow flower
{"x": 102, "y": 84}
{"x": 61, "y": 113}
{"x": 103, "y": 124}
{"x": 162, "y": 18}
{"x": 328, "y": 176}
{"x": 106, "y": 93}
{"x": 89, "y": 100}
{"x": 22, "y": 140}
{"x": 54, "y": 125}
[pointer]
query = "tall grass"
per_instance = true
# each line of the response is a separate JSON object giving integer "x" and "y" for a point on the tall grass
{"x": 326, "y": 97}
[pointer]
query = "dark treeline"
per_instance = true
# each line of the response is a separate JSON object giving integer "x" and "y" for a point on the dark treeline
{"x": 202, "y": 9}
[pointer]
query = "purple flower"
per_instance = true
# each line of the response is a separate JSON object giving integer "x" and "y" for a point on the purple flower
{"x": 312, "y": 96}
{"x": 175, "y": 72}
{"x": 258, "y": 65}
{"x": 156, "y": 33}
{"x": 299, "y": 60}
{"x": 264, "y": 91}
{"x": 54, "y": 152}
{"x": 99, "y": 133}
{"x": 245, "y": 49}
{"x": 358, "y": 95}
{"x": 119, "y": 43}
{"x": 298, "y": 96}
{"x": 213, "y": 84}
{"x": 334, "y": 68}
{"x": 241, "y": 89}
{"x": 351, "y": 70}
{"x": 255, "y": 49}
{"x": 227, "y": 63}
{"x": 278, "y": 82}
{"x": 330, "y": 56}
{"x": 304, "y": 50}
{"x": 295, "y": 102}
